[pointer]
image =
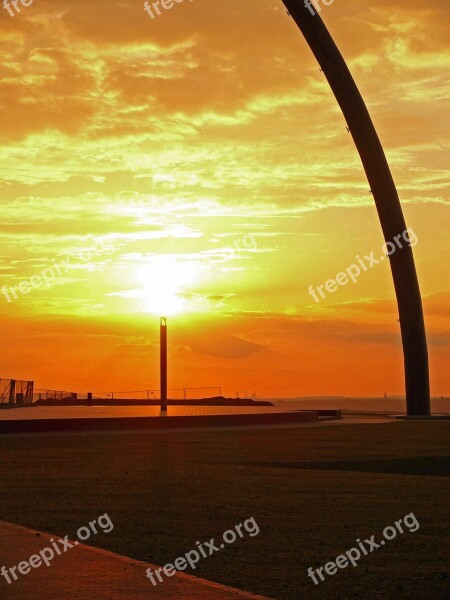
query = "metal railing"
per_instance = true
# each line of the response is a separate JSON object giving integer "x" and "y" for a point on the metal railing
{"x": 186, "y": 393}
{"x": 46, "y": 394}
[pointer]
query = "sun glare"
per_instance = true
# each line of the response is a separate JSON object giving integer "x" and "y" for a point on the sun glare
{"x": 164, "y": 281}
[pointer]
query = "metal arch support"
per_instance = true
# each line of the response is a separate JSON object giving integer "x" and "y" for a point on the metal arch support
{"x": 386, "y": 198}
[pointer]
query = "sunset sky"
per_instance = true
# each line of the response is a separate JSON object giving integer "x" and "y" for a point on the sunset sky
{"x": 199, "y": 162}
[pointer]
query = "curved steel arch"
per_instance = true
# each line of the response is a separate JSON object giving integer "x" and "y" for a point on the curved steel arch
{"x": 386, "y": 199}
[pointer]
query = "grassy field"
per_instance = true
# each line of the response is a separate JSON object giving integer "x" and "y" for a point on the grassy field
{"x": 312, "y": 491}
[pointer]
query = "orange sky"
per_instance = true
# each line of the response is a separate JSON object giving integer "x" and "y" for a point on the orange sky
{"x": 198, "y": 161}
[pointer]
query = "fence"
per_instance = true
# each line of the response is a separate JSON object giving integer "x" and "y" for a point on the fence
{"x": 16, "y": 392}
{"x": 186, "y": 393}
{"x": 65, "y": 397}
{"x": 45, "y": 394}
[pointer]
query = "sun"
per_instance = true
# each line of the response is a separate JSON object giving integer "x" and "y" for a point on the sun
{"x": 165, "y": 301}
{"x": 164, "y": 279}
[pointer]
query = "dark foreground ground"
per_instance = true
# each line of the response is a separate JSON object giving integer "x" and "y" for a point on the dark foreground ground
{"x": 312, "y": 491}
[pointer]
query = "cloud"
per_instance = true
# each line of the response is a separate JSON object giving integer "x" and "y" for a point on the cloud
{"x": 225, "y": 347}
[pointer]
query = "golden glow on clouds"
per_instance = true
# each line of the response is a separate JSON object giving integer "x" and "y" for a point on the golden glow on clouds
{"x": 174, "y": 141}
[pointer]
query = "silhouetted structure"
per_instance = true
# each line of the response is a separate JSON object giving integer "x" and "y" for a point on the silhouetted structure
{"x": 163, "y": 363}
{"x": 386, "y": 199}
{"x": 15, "y": 392}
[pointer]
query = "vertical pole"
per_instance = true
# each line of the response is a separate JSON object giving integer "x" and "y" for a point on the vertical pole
{"x": 163, "y": 363}
{"x": 12, "y": 391}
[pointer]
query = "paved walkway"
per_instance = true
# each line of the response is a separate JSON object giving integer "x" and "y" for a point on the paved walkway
{"x": 86, "y": 573}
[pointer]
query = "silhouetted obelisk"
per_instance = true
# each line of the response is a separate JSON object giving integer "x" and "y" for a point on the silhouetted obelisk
{"x": 163, "y": 363}
{"x": 386, "y": 198}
